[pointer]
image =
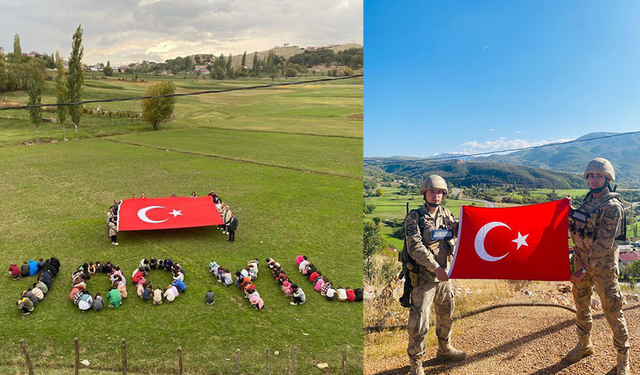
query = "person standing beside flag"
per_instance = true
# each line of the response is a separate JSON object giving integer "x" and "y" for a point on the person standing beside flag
{"x": 594, "y": 228}
{"x": 232, "y": 226}
{"x": 430, "y": 258}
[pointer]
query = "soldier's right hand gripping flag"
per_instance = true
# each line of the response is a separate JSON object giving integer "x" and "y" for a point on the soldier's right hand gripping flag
{"x": 514, "y": 243}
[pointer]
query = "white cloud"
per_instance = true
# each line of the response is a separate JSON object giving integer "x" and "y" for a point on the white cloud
{"x": 503, "y": 143}
{"x": 121, "y": 30}
{"x": 491, "y": 130}
{"x": 519, "y": 132}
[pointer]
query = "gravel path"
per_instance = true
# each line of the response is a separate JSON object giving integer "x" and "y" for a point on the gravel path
{"x": 529, "y": 340}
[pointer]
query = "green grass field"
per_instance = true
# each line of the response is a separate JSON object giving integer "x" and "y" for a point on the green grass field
{"x": 392, "y": 206}
{"x": 288, "y": 162}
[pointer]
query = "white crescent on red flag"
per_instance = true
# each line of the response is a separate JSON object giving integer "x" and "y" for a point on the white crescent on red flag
{"x": 167, "y": 213}
{"x": 513, "y": 243}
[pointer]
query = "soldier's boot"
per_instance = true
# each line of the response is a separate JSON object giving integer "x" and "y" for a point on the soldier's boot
{"x": 415, "y": 367}
{"x": 623, "y": 364}
{"x": 446, "y": 352}
{"x": 583, "y": 349}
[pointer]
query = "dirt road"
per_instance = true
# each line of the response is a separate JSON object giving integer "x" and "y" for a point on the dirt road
{"x": 524, "y": 340}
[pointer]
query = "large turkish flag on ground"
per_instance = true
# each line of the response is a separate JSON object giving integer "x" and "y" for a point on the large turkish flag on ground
{"x": 167, "y": 213}
{"x": 514, "y": 243}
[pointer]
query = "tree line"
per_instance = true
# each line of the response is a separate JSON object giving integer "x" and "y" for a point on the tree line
{"x": 272, "y": 65}
{"x": 17, "y": 69}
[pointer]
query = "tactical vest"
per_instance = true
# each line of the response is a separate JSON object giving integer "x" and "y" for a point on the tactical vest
{"x": 585, "y": 234}
{"x": 442, "y": 250}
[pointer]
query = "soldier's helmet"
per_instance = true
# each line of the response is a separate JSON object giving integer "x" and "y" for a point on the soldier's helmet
{"x": 602, "y": 166}
{"x": 433, "y": 182}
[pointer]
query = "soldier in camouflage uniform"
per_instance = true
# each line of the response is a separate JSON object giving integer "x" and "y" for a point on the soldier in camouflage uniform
{"x": 432, "y": 283}
{"x": 596, "y": 262}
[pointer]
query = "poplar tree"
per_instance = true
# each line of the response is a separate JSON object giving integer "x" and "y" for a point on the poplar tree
{"x": 75, "y": 78}
{"x": 229, "y": 65}
{"x": 256, "y": 65}
{"x": 61, "y": 93}
{"x": 17, "y": 50}
{"x": 244, "y": 60}
{"x": 35, "y": 98}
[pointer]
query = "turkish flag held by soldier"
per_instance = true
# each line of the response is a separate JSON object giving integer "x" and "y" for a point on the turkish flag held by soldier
{"x": 514, "y": 243}
{"x": 167, "y": 213}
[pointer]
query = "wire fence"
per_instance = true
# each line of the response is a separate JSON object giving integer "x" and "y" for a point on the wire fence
{"x": 124, "y": 367}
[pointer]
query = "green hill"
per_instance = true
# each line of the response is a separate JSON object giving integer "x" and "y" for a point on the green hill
{"x": 622, "y": 151}
{"x": 463, "y": 173}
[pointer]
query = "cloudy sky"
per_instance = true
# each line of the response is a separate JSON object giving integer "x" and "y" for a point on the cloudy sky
{"x": 134, "y": 30}
{"x": 476, "y": 76}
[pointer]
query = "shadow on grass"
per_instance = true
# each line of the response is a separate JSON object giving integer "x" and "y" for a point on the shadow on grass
{"x": 435, "y": 367}
{"x": 199, "y": 233}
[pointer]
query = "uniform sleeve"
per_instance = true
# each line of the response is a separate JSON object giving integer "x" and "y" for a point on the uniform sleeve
{"x": 415, "y": 247}
{"x": 606, "y": 232}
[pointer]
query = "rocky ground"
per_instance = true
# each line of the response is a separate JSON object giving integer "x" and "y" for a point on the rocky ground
{"x": 524, "y": 340}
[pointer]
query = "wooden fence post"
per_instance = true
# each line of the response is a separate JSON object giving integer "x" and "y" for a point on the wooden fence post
{"x": 124, "y": 357}
{"x": 76, "y": 345}
{"x": 266, "y": 366}
{"x": 179, "y": 360}
{"x": 236, "y": 366}
{"x": 344, "y": 361}
{"x": 292, "y": 369}
{"x": 26, "y": 356}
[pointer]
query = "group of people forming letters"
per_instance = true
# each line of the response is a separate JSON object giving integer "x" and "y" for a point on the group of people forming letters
{"x": 45, "y": 271}
{"x": 243, "y": 279}
{"x": 85, "y": 300}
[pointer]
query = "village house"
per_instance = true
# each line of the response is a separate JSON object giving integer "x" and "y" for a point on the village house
{"x": 201, "y": 69}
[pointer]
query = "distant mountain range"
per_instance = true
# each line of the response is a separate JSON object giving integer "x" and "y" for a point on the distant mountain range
{"x": 559, "y": 166}
{"x": 622, "y": 151}
{"x": 468, "y": 173}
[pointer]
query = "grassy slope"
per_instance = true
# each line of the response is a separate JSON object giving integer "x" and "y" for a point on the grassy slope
{"x": 392, "y": 206}
{"x": 54, "y": 203}
{"x": 323, "y": 109}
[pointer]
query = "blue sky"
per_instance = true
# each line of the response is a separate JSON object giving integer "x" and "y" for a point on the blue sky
{"x": 476, "y": 76}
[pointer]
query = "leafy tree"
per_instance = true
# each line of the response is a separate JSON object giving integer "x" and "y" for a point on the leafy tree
{"x": 348, "y": 71}
{"x": 255, "y": 68}
{"x": 61, "y": 93}
{"x": 35, "y": 98}
{"x": 369, "y": 208}
{"x": 634, "y": 269}
{"x": 217, "y": 72}
{"x": 3, "y": 76}
{"x": 159, "y": 109}
{"x": 17, "y": 50}
{"x": 371, "y": 242}
{"x": 75, "y": 78}
{"x": 189, "y": 63}
{"x": 229, "y": 66}
{"x": 108, "y": 70}
{"x": 270, "y": 66}
{"x": 290, "y": 72}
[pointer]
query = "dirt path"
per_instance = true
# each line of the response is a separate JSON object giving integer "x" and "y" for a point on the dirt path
{"x": 529, "y": 340}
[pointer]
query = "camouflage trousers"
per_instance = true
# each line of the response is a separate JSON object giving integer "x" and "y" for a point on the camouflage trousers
{"x": 607, "y": 287}
{"x": 422, "y": 297}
